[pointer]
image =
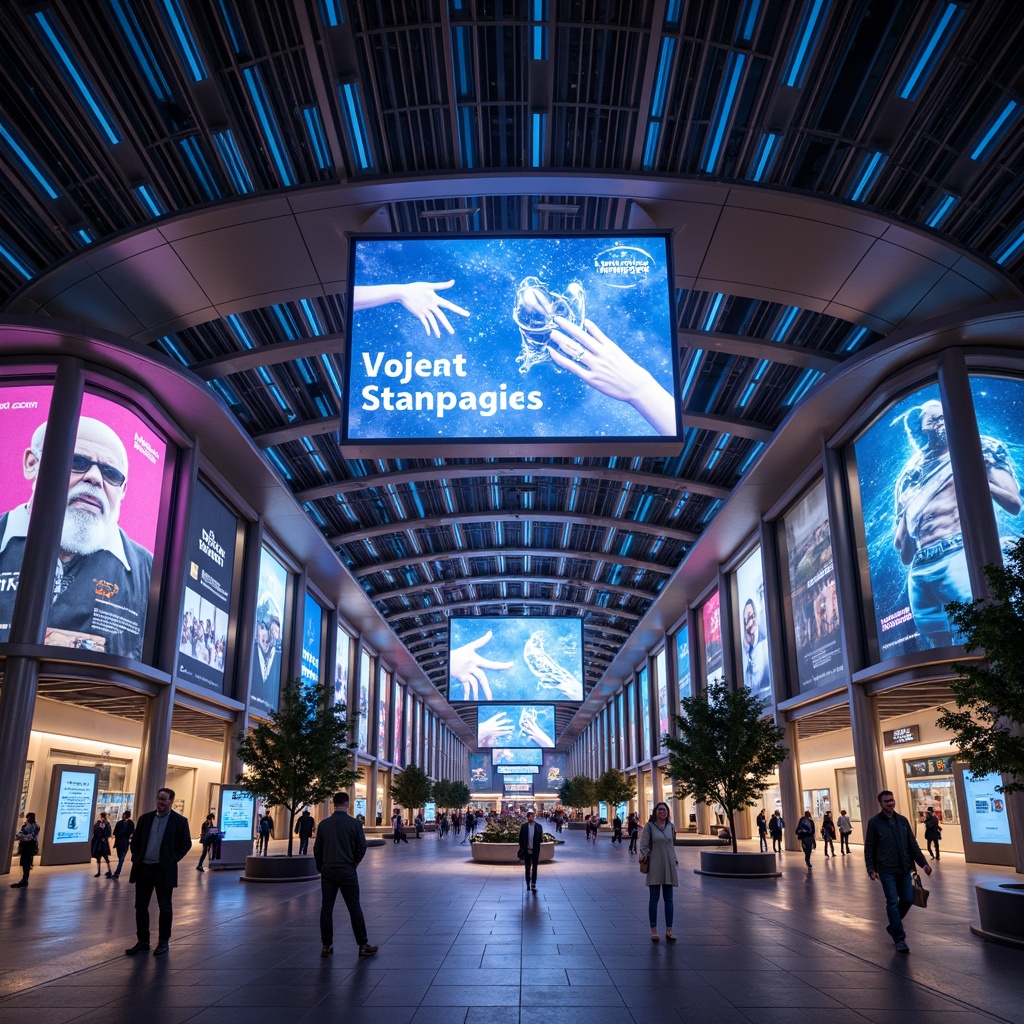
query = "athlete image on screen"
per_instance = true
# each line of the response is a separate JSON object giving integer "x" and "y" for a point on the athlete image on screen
{"x": 101, "y": 576}
{"x": 265, "y": 683}
{"x": 419, "y": 297}
{"x": 756, "y": 670}
{"x": 927, "y": 534}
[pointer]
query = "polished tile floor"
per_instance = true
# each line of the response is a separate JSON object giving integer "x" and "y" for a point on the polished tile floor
{"x": 462, "y": 943}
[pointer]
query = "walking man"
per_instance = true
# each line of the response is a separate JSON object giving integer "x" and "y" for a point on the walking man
{"x": 890, "y": 852}
{"x": 530, "y": 836}
{"x": 161, "y": 839}
{"x": 339, "y": 847}
{"x": 304, "y": 828}
{"x": 28, "y": 845}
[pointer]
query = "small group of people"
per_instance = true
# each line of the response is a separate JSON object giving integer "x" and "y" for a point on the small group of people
{"x": 830, "y": 828}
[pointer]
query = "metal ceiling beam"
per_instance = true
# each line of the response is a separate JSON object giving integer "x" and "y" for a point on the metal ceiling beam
{"x": 297, "y": 431}
{"x": 727, "y": 425}
{"x": 511, "y": 470}
{"x": 450, "y": 556}
{"x": 441, "y": 627}
{"x": 471, "y": 581}
{"x": 268, "y": 355}
{"x": 601, "y": 522}
{"x": 759, "y": 348}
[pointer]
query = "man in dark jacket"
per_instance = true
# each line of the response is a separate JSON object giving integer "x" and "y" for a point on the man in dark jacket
{"x": 304, "y": 828}
{"x": 160, "y": 840}
{"x": 339, "y": 847}
{"x": 530, "y": 837}
{"x": 890, "y": 852}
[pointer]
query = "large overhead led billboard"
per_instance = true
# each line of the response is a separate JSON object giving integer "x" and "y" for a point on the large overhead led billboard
{"x": 511, "y": 339}
{"x": 517, "y": 725}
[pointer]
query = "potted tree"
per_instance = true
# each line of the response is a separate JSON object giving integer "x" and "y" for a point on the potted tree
{"x": 725, "y": 752}
{"x": 412, "y": 789}
{"x": 988, "y": 727}
{"x": 297, "y": 759}
{"x": 614, "y": 788}
{"x": 578, "y": 793}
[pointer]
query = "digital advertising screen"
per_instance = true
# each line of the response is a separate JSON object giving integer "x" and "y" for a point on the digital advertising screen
{"x": 986, "y": 809}
{"x": 479, "y": 773}
{"x": 518, "y": 789}
{"x": 312, "y": 630}
{"x": 383, "y": 705}
{"x": 811, "y": 599}
{"x": 515, "y": 658}
{"x": 76, "y": 799}
{"x": 265, "y": 685}
{"x": 661, "y": 672}
{"x": 115, "y": 494}
{"x": 237, "y": 814}
{"x": 342, "y": 656}
{"x": 396, "y": 757}
{"x": 517, "y": 769}
{"x": 714, "y": 662}
{"x": 363, "y": 709}
{"x": 514, "y": 755}
{"x": 24, "y": 408}
{"x": 554, "y": 772}
{"x": 480, "y": 338}
{"x": 752, "y": 627}
{"x": 643, "y": 689}
{"x": 999, "y": 409}
{"x": 516, "y": 725}
{"x": 206, "y": 605}
{"x": 911, "y": 517}
{"x": 683, "y": 662}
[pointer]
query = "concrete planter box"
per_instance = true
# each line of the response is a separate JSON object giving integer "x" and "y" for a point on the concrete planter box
{"x": 280, "y": 869}
{"x": 722, "y": 864}
{"x": 1001, "y": 909}
{"x": 505, "y": 853}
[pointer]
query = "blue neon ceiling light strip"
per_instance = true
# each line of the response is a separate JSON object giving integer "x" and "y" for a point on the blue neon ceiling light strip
{"x": 306, "y": 371}
{"x": 225, "y": 391}
{"x": 764, "y": 155}
{"x": 673, "y": 11}
{"x": 467, "y": 136}
{"x": 537, "y": 147}
{"x": 941, "y": 210}
{"x": 271, "y": 131}
{"x": 170, "y": 344}
{"x": 712, "y": 509}
{"x": 278, "y": 463}
{"x": 1011, "y": 246}
{"x": 460, "y": 54}
{"x": 539, "y": 32}
{"x": 8, "y": 253}
{"x": 315, "y": 513}
{"x": 285, "y": 321}
{"x": 317, "y": 139}
{"x": 322, "y": 406}
{"x": 240, "y": 331}
{"x": 332, "y": 376}
{"x": 690, "y": 376}
{"x": 999, "y": 127}
{"x": 807, "y": 39}
{"x": 712, "y": 313}
{"x": 927, "y": 58}
{"x": 748, "y": 20}
{"x": 785, "y": 323}
{"x": 184, "y": 41}
{"x": 126, "y": 19}
{"x": 316, "y": 328}
{"x": 355, "y": 122}
{"x": 661, "y": 80}
{"x": 803, "y": 385}
{"x": 871, "y": 167}
{"x": 855, "y": 339}
{"x": 332, "y": 12}
{"x": 754, "y": 452}
{"x": 49, "y": 189}
{"x": 231, "y": 158}
{"x": 201, "y": 172}
{"x": 228, "y": 16}
{"x": 85, "y": 236}
{"x": 723, "y": 441}
{"x": 76, "y": 78}
{"x": 149, "y": 199}
{"x": 651, "y": 144}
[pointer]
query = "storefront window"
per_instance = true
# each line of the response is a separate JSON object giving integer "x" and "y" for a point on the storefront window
{"x": 818, "y": 801}
{"x": 849, "y": 797}
{"x": 930, "y": 784}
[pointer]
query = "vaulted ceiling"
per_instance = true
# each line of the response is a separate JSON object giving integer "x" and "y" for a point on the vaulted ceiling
{"x": 184, "y": 173}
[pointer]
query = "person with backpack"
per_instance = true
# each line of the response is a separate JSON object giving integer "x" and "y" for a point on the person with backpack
{"x": 805, "y": 833}
{"x": 776, "y": 826}
{"x": 828, "y": 833}
{"x": 264, "y": 833}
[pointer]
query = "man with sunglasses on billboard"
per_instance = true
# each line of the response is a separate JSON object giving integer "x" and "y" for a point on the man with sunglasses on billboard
{"x": 101, "y": 576}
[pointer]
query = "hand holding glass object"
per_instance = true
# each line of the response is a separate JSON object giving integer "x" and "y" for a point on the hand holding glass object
{"x": 530, "y": 729}
{"x": 495, "y": 729}
{"x": 467, "y": 666}
{"x": 592, "y": 356}
{"x": 419, "y": 297}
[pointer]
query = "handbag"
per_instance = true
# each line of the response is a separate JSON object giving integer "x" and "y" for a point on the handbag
{"x": 645, "y": 863}
{"x": 920, "y": 892}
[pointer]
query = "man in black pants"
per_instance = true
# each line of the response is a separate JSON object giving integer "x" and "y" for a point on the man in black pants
{"x": 530, "y": 836}
{"x": 339, "y": 847}
{"x": 161, "y": 839}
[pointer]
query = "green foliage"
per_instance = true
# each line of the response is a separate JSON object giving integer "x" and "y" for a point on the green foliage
{"x": 449, "y": 794}
{"x": 302, "y": 755}
{"x": 987, "y": 730}
{"x": 725, "y": 751}
{"x": 578, "y": 792}
{"x": 614, "y": 788}
{"x": 412, "y": 788}
{"x": 504, "y": 828}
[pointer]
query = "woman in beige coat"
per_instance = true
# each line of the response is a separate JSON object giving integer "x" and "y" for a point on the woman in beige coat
{"x": 657, "y": 843}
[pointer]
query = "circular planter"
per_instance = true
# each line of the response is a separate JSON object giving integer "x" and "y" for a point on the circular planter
{"x": 1001, "y": 909}
{"x": 280, "y": 869}
{"x": 721, "y": 864}
{"x": 505, "y": 853}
